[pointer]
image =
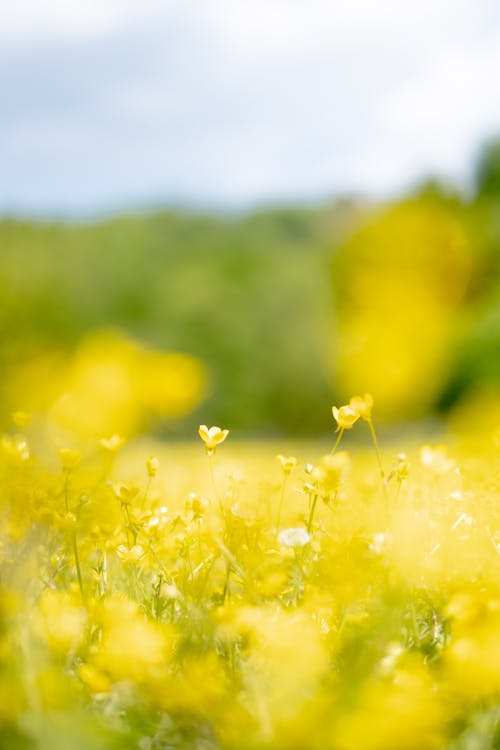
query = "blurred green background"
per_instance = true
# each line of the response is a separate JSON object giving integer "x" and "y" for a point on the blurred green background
{"x": 291, "y": 309}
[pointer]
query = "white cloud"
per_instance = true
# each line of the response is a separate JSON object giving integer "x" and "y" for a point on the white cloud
{"x": 239, "y": 100}
{"x": 442, "y": 113}
{"x": 27, "y": 20}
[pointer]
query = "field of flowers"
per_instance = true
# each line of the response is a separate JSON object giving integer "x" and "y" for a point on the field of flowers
{"x": 235, "y": 595}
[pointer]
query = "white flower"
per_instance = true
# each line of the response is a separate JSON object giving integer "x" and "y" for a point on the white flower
{"x": 379, "y": 543}
{"x": 294, "y": 537}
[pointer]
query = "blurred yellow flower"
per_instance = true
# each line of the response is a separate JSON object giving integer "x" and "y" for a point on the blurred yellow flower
{"x": 15, "y": 448}
{"x": 112, "y": 444}
{"x": 132, "y": 647}
{"x": 287, "y": 463}
{"x": 132, "y": 554}
{"x": 212, "y": 437}
{"x": 330, "y": 470}
{"x": 61, "y": 620}
{"x": 363, "y": 405}
{"x": 20, "y": 419}
{"x": 125, "y": 491}
{"x": 400, "y": 469}
{"x": 152, "y": 466}
{"x": 112, "y": 384}
{"x": 435, "y": 459}
{"x": 95, "y": 680}
{"x": 69, "y": 458}
{"x": 345, "y": 416}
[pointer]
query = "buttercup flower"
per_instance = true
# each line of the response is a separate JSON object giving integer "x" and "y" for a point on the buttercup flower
{"x": 152, "y": 465}
{"x": 15, "y": 448}
{"x": 400, "y": 468}
{"x": 212, "y": 437}
{"x": 69, "y": 458}
{"x": 287, "y": 463}
{"x": 112, "y": 444}
{"x": 127, "y": 555}
{"x": 363, "y": 405}
{"x": 125, "y": 492}
{"x": 436, "y": 459}
{"x": 345, "y": 417}
{"x": 329, "y": 471}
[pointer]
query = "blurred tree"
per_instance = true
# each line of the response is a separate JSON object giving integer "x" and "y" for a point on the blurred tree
{"x": 487, "y": 173}
{"x": 250, "y": 297}
{"x": 400, "y": 281}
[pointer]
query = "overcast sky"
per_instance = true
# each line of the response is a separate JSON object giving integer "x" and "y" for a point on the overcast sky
{"x": 120, "y": 103}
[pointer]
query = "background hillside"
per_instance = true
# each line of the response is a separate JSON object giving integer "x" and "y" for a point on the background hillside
{"x": 272, "y": 302}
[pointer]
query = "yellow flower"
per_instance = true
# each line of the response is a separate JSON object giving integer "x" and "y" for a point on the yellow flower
{"x": 15, "y": 448}
{"x": 212, "y": 437}
{"x": 112, "y": 444}
{"x": 20, "y": 419}
{"x": 125, "y": 492}
{"x": 436, "y": 459}
{"x": 363, "y": 405}
{"x": 330, "y": 470}
{"x": 127, "y": 555}
{"x": 95, "y": 680}
{"x": 287, "y": 463}
{"x": 400, "y": 468}
{"x": 152, "y": 465}
{"x": 345, "y": 417}
{"x": 69, "y": 458}
{"x": 196, "y": 505}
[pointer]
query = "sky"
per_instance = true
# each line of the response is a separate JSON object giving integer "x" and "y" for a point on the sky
{"x": 116, "y": 104}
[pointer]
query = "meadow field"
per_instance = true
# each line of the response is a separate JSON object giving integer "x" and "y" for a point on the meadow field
{"x": 250, "y": 472}
{"x": 222, "y": 594}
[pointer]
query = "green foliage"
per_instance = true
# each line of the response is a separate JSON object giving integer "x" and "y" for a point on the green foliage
{"x": 256, "y": 300}
{"x": 488, "y": 170}
{"x": 251, "y": 297}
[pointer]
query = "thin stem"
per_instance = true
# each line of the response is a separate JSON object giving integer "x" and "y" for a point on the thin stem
{"x": 104, "y": 572}
{"x": 339, "y": 438}
{"x": 66, "y": 490}
{"x": 146, "y": 491}
{"x": 214, "y": 484}
{"x": 73, "y": 535}
{"x": 311, "y": 513}
{"x": 379, "y": 461}
{"x": 376, "y": 445}
{"x": 414, "y": 621}
{"x": 77, "y": 563}
{"x": 280, "y": 504}
{"x": 156, "y": 596}
{"x": 225, "y": 590}
{"x": 126, "y": 516}
{"x": 342, "y": 623}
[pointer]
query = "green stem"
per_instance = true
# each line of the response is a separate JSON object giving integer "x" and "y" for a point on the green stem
{"x": 104, "y": 572}
{"x": 225, "y": 590}
{"x": 77, "y": 563}
{"x": 379, "y": 461}
{"x": 66, "y": 490}
{"x": 280, "y": 504}
{"x": 146, "y": 492}
{"x": 73, "y": 535}
{"x": 414, "y": 621}
{"x": 311, "y": 513}
{"x": 339, "y": 438}
{"x": 212, "y": 477}
{"x": 376, "y": 445}
{"x": 126, "y": 516}
{"x": 157, "y": 593}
